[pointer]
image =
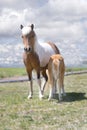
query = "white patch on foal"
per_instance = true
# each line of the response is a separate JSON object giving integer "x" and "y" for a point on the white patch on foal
{"x": 26, "y": 30}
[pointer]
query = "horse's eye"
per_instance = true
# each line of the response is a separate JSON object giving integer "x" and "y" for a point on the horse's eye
{"x": 22, "y": 36}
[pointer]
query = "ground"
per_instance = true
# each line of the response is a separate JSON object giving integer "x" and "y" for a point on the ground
{"x": 19, "y": 113}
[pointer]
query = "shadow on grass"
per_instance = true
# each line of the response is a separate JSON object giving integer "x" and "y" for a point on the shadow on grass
{"x": 73, "y": 96}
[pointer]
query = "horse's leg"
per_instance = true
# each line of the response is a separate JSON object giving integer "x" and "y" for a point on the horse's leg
{"x": 46, "y": 79}
{"x": 39, "y": 82}
{"x": 30, "y": 86}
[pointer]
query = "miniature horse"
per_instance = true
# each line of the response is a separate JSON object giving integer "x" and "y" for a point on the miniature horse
{"x": 55, "y": 72}
{"x": 36, "y": 56}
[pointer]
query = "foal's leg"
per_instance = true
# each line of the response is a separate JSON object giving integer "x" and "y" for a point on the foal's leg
{"x": 30, "y": 86}
{"x": 54, "y": 87}
{"x": 62, "y": 86}
{"x": 51, "y": 92}
{"x": 59, "y": 87}
{"x": 51, "y": 85}
{"x": 39, "y": 82}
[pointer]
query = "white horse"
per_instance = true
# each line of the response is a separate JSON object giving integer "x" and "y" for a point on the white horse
{"x": 36, "y": 56}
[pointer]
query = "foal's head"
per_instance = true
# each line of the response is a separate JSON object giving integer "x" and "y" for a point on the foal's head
{"x": 28, "y": 36}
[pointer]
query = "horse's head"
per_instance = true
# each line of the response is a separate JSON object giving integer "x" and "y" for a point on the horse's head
{"x": 28, "y": 36}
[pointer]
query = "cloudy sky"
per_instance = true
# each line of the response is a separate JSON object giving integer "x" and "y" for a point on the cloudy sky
{"x": 61, "y": 21}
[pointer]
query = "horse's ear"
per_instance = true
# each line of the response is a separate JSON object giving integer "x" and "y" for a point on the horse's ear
{"x": 32, "y": 26}
{"x": 21, "y": 26}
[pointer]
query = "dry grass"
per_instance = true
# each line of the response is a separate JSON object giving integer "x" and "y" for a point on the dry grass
{"x": 18, "y": 113}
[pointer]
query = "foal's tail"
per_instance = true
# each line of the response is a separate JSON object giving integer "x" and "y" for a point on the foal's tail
{"x": 58, "y": 67}
{"x": 55, "y": 68}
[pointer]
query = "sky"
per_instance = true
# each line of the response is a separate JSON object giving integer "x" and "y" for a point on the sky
{"x": 63, "y": 22}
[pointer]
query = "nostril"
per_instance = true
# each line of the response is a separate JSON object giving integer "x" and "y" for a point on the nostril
{"x": 29, "y": 49}
{"x": 25, "y": 49}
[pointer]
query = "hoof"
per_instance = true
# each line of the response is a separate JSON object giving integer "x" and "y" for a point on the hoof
{"x": 49, "y": 99}
{"x": 41, "y": 97}
{"x": 29, "y": 97}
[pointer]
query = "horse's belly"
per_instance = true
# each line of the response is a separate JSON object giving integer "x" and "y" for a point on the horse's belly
{"x": 44, "y": 63}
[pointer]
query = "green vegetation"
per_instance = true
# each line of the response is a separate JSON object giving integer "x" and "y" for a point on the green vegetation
{"x": 76, "y": 69}
{"x": 10, "y": 72}
{"x": 19, "y": 113}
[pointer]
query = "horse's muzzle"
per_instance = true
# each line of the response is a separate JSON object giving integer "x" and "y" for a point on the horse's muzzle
{"x": 28, "y": 50}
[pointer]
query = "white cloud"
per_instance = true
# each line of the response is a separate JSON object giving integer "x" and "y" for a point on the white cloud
{"x": 68, "y": 7}
{"x": 56, "y": 31}
{"x": 56, "y": 20}
{"x": 60, "y": 17}
{"x": 10, "y": 21}
{"x": 21, "y": 4}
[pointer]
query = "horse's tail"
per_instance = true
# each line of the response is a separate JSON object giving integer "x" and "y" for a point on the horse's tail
{"x": 55, "y": 48}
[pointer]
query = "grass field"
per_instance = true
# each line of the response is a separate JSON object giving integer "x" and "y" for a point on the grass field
{"x": 10, "y": 72}
{"x": 19, "y": 113}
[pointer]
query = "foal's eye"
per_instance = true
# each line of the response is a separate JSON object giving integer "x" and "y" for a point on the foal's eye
{"x": 22, "y": 36}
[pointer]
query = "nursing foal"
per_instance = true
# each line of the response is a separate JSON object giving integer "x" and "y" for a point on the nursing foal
{"x": 36, "y": 56}
{"x": 55, "y": 72}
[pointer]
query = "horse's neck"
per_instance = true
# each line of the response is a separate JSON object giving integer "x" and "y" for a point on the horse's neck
{"x": 44, "y": 51}
{"x": 41, "y": 48}
{"x": 37, "y": 46}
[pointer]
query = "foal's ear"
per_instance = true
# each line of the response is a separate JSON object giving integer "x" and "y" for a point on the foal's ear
{"x": 21, "y": 26}
{"x": 32, "y": 26}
